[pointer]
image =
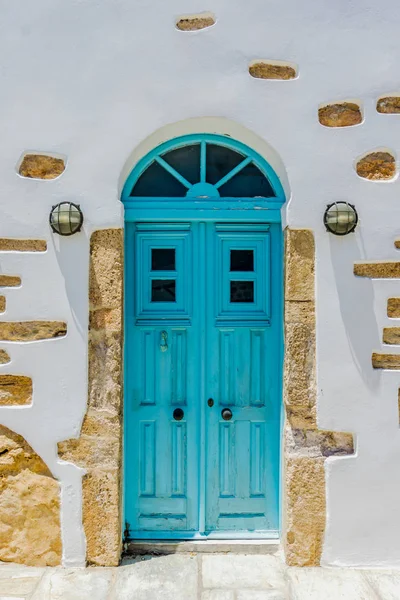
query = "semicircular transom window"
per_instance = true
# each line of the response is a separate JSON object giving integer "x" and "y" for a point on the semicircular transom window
{"x": 202, "y": 170}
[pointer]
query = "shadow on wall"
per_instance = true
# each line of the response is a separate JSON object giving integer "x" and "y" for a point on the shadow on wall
{"x": 356, "y": 300}
{"x": 72, "y": 254}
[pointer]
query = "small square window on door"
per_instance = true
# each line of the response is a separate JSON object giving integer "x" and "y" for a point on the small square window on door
{"x": 243, "y": 273}
{"x": 163, "y": 276}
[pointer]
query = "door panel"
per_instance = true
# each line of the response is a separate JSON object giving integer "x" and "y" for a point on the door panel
{"x": 244, "y": 373}
{"x": 210, "y": 330}
{"x": 161, "y": 400}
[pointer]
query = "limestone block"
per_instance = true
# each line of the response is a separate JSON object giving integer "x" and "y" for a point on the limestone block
{"x": 388, "y": 105}
{"x": 106, "y": 319}
{"x": 270, "y": 70}
{"x": 393, "y": 308}
{"x": 243, "y": 571}
{"x": 378, "y": 270}
{"x": 300, "y": 251}
{"x": 305, "y": 512}
{"x": 342, "y": 114}
{"x": 299, "y": 369}
{"x": 386, "y": 361}
{"x": 101, "y": 516}
{"x": 106, "y": 269}
{"x": 28, "y": 331}
{"x": 2, "y": 304}
{"x": 4, "y": 357}
{"x": 41, "y": 166}
{"x": 173, "y": 577}
{"x": 301, "y": 417}
{"x": 377, "y": 166}
{"x": 29, "y": 505}
{"x": 101, "y": 423}
{"x": 75, "y": 584}
{"x": 91, "y": 452}
{"x": 321, "y": 443}
{"x": 391, "y": 335}
{"x": 300, "y": 312}
{"x": 9, "y": 281}
{"x": 332, "y": 584}
{"x": 15, "y": 245}
{"x": 105, "y": 360}
{"x": 397, "y": 244}
{"x": 195, "y": 22}
{"x": 15, "y": 390}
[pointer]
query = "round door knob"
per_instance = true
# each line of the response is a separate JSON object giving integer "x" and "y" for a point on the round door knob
{"x": 178, "y": 414}
{"x": 226, "y": 414}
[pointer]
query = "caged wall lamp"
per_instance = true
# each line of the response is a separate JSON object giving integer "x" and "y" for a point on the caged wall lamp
{"x": 340, "y": 218}
{"x": 66, "y": 218}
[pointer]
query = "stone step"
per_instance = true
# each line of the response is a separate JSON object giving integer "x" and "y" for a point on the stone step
{"x": 159, "y": 547}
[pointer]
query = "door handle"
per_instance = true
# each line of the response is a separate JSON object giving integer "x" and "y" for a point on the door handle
{"x": 226, "y": 414}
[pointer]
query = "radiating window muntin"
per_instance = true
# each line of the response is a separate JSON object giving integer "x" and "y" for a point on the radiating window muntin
{"x": 178, "y": 172}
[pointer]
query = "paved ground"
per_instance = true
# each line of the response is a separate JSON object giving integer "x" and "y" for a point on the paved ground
{"x": 198, "y": 577}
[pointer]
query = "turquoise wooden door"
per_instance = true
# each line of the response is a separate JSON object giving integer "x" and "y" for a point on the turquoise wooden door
{"x": 203, "y": 361}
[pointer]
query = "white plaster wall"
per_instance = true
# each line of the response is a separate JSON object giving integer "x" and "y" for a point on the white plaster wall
{"x": 91, "y": 80}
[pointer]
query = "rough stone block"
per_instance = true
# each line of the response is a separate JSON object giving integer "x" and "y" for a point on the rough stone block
{"x": 377, "y": 166}
{"x": 10, "y": 281}
{"x": 195, "y": 22}
{"x": 101, "y": 517}
{"x": 378, "y": 270}
{"x": 29, "y": 505}
{"x": 2, "y": 304}
{"x": 342, "y": 114}
{"x": 321, "y": 443}
{"x": 305, "y": 510}
{"x": 41, "y": 166}
{"x": 389, "y": 105}
{"x": 391, "y": 335}
{"x": 393, "y": 308}
{"x": 300, "y": 256}
{"x": 106, "y": 269}
{"x": 91, "y": 452}
{"x": 15, "y": 390}
{"x": 386, "y": 361}
{"x": 299, "y": 368}
{"x": 105, "y": 319}
{"x": 29, "y": 331}
{"x": 300, "y": 312}
{"x": 105, "y": 372}
{"x": 301, "y": 417}
{"x": 15, "y": 245}
{"x": 271, "y": 70}
{"x": 4, "y": 357}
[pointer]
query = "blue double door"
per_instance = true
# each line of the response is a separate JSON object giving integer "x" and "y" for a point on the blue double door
{"x": 203, "y": 379}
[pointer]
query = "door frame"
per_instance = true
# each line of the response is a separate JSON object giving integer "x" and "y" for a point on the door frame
{"x": 150, "y": 209}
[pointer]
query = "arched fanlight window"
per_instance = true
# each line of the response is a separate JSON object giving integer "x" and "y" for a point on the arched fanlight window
{"x": 201, "y": 169}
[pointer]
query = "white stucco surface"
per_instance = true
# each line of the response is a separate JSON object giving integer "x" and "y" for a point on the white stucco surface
{"x": 92, "y": 80}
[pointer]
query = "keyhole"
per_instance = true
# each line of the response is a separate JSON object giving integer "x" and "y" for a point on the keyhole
{"x": 210, "y": 402}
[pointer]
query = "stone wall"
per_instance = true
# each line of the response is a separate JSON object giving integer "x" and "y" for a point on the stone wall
{"x": 29, "y": 505}
{"x": 305, "y": 446}
{"x": 99, "y": 447}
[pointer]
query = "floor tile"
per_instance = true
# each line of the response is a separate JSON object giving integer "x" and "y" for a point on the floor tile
{"x": 385, "y": 583}
{"x": 74, "y": 584}
{"x": 329, "y": 584}
{"x": 238, "y": 571}
{"x": 172, "y": 577}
